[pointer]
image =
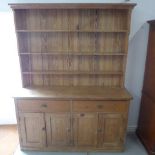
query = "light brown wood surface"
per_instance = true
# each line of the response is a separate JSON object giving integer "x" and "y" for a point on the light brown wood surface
{"x": 72, "y": 5}
{"x": 86, "y": 125}
{"x": 58, "y": 129}
{"x": 38, "y": 105}
{"x": 85, "y": 129}
{"x": 32, "y": 128}
{"x": 100, "y": 106}
{"x": 111, "y": 131}
{"x": 83, "y": 93}
{"x": 73, "y": 59}
{"x": 72, "y": 44}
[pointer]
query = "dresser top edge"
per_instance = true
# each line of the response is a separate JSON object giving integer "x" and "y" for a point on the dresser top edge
{"x": 15, "y": 6}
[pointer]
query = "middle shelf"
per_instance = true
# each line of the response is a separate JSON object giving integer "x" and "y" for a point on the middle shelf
{"x": 74, "y": 73}
{"x": 76, "y": 31}
{"x": 75, "y": 53}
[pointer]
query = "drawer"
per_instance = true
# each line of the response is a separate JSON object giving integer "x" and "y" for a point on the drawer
{"x": 43, "y": 106}
{"x": 100, "y": 106}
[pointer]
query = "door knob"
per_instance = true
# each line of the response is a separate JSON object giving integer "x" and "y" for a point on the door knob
{"x": 68, "y": 129}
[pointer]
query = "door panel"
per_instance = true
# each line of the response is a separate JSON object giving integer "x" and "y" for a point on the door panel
{"x": 146, "y": 124}
{"x": 32, "y": 127}
{"x": 110, "y": 130}
{"x": 58, "y": 129}
{"x": 85, "y": 129}
{"x": 149, "y": 77}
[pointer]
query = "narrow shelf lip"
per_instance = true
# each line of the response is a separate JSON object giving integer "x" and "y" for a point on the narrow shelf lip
{"x": 75, "y": 53}
{"x": 74, "y": 73}
{"x": 75, "y": 31}
{"x": 72, "y": 5}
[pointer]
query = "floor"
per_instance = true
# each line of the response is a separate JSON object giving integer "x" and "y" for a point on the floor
{"x": 133, "y": 147}
{"x": 8, "y": 139}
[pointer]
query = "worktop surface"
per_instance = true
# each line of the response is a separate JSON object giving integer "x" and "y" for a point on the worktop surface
{"x": 88, "y": 93}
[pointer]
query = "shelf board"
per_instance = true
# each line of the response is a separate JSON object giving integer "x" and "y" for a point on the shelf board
{"x": 76, "y": 53}
{"x": 73, "y": 73}
{"x": 93, "y": 31}
{"x": 72, "y": 5}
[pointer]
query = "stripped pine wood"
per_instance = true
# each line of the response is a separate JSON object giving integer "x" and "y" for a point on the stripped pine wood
{"x": 73, "y": 59}
{"x": 92, "y": 40}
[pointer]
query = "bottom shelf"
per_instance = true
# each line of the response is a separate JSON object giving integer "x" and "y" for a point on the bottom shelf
{"x": 72, "y": 80}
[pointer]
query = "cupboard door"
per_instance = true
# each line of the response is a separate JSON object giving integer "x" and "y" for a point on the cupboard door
{"x": 149, "y": 77}
{"x": 32, "y": 127}
{"x": 110, "y": 130}
{"x": 85, "y": 129}
{"x": 58, "y": 128}
{"x": 146, "y": 124}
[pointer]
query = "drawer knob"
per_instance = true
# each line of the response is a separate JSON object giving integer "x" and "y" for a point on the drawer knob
{"x": 82, "y": 114}
{"x": 99, "y": 106}
{"x": 44, "y": 105}
{"x": 43, "y": 128}
{"x": 99, "y": 130}
{"x": 68, "y": 129}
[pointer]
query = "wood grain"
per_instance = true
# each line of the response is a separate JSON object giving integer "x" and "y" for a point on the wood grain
{"x": 72, "y": 59}
{"x": 69, "y": 92}
{"x": 71, "y": 40}
{"x": 72, "y": 5}
{"x": 85, "y": 129}
{"x": 58, "y": 129}
{"x": 32, "y": 130}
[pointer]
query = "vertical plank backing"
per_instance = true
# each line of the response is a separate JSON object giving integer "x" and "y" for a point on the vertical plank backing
{"x": 76, "y": 30}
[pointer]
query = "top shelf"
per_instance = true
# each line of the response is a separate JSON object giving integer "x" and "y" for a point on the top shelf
{"x": 72, "y": 5}
{"x": 93, "y": 31}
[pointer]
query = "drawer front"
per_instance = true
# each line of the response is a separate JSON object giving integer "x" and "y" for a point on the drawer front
{"x": 100, "y": 106}
{"x": 43, "y": 106}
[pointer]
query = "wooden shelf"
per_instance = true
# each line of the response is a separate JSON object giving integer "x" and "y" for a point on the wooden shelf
{"x": 93, "y": 31}
{"x": 92, "y": 6}
{"x": 73, "y": 73}
{"x": 77, "y": 53}
{"x": 81, "y": 42}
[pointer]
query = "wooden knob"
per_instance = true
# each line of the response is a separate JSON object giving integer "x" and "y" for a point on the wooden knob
{"x": 44, "y": 105}
{"x": 43, "y": 128}
{"x": 82, "y": 114}
{"x": 77, "y": 27}
{"x": 99, "y": 106}
{"x": 99, "y": 130}
{"x": 68, "y": 129}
